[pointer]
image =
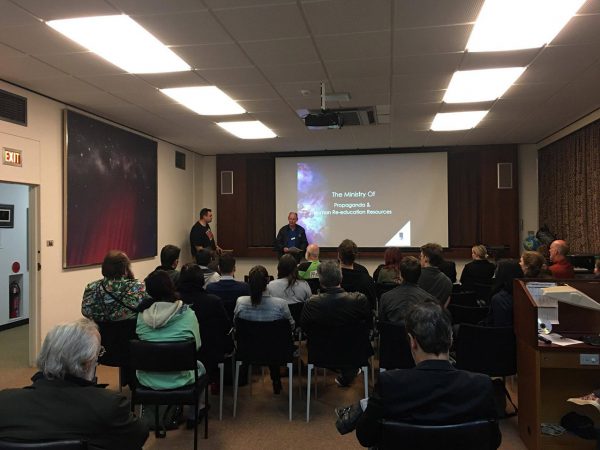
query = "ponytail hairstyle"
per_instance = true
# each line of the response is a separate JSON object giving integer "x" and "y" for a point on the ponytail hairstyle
{"x": 258, "y": 278}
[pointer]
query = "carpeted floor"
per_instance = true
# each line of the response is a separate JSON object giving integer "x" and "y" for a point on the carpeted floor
{"x": 261, "y": 422}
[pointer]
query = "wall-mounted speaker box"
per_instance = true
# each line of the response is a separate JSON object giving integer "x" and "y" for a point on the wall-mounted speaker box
{"x": 226, "y": 182}
{"x": 180, "y": 160}
{"x": 505, "y": 177}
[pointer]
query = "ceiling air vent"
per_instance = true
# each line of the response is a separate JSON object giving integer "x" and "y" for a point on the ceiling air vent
{"x": 13, "y": 108}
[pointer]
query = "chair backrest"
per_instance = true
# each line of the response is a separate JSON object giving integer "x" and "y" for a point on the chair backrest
{"x": 467, "y": 314}
{"x": 463, "y": 298}
{"x": 488, "y": 350}
{"x": 477, "y": 435}
{"x": 482, "y": 290}
{"x": 115, "y": 337}
{"x": 163, "y": 356}
{"x": 264, "y": 343}
{"x": 394, "y": 349}
{"x": 296, "y": 311}
{"x": 382, "y": 288}
{"x": 48, "y": 445}
{"x": 314, "y": 285}
{"x": 339, "y": 347}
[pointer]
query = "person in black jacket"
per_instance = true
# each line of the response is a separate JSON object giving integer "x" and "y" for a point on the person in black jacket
{"x": 291, "y": 239}
{"x": 479, "y": 271}
{"x": 64, "y": 401}
{"x": 433, "y": 392}
{"x": 355, "y": 277}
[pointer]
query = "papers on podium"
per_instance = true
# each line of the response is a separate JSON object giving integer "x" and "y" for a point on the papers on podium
{"x": 567, "y": 294}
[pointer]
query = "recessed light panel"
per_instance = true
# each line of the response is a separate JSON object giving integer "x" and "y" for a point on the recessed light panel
{"x": 121, "y": 41}
{"x": 464, "y": 120}
{"x": 518, "y": 24}
{"x": 481, "y": 85}
{"x": 250, "y": 129}
{"x": 205, "y": 100}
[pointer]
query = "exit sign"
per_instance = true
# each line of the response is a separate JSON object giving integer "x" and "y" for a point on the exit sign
{"x": 12, "y": 157}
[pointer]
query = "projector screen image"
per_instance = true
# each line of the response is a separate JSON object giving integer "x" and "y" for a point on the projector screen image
{"x": 397, "y": 200}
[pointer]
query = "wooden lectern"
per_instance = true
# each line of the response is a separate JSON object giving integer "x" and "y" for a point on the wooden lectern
{"x": 549, "y": 374}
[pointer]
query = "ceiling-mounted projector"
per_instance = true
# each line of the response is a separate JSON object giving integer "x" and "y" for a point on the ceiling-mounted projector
{"x": 324, "y": 119}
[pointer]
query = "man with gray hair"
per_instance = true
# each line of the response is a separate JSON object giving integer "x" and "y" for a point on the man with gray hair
{"x": 334, "y": 307}
{"x": 291, "y": 238}
{"x": 561, "y": 267}
{"x": 64, "y": 401}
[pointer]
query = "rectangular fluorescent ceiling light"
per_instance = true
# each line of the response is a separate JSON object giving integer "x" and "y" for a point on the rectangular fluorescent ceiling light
{"x": 205, "y": 100}
{"x": 250, "y": 129}
{"x": 518, "y": 24}
{"x": 464, "y": 120}
{"x": 121, "y": 41}
{"x": 481, "y": 85}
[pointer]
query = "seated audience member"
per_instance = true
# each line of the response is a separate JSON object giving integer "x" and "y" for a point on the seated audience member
{"x": 118, "y": 295}
{"x": 227, "y": 288}
{"x": 169, "y": 260}
{"x": 478, "y": 271}
{"x": 307, "y": 270}
{"x": 355, "y": 278}
{"x": 448, "y": 268}
{"x": 260, "y": 306}
{"x": 432, "y": 279}
{"x": 533, "y": 265}
{"x": 561, "y": 267}
{"x": 390, "y": 271}
{"x": 167, "y": 319}
{"x": 597, "y": 268}
{"x": 291, "y": 239}
{"x": 287, "y": 285}
{"x": 334, "y": 307}
{"x": 64, "y": 401}
{"x": 213, "y": 320}
{"x": 204, "y": 258}
{"x": 395, "y": 304}
{"x": 501, "y": 303}
{"x": 431, "y": 393}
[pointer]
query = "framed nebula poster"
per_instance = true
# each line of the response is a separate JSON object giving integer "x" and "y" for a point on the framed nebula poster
{"x": 110, "y": 192}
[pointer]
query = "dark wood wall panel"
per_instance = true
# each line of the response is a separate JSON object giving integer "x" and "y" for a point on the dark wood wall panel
{"x": 478, "y": 212}
{"x": 260, "y": 197}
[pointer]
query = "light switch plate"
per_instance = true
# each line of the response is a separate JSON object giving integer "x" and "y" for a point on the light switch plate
{"x": 589, "y": 359}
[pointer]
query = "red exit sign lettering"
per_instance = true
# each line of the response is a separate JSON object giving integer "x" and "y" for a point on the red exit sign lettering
{"x": 12, "y": 157}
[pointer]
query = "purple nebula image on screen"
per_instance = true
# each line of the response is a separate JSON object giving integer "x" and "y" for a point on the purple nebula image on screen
{"x": 312, "y": 200}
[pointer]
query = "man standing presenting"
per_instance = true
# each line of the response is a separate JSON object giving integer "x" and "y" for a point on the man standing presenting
{"x": 201, "y": 236}
{"x": 291, "y": 238}
{"x": 561, "y": 267}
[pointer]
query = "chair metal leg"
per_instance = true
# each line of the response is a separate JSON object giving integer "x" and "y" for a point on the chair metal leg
{"x": 250, "y": 377}
{"x": 308, "y": 379}
{"x": 235, "y": 386}
{"x": 221, "y": 367}
{"x": 196, "y": 424}
{"x": 299, "y": 377}
{"x": 365, "y": 370}
{"x": 290, "y": 386}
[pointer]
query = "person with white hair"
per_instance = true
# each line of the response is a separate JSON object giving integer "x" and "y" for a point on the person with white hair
{"x": 64, "y": 401}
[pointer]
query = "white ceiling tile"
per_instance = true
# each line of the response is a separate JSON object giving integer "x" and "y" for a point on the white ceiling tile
{"x": 293, "y": 89}
{"x": 133, "y": 7}
{"x": 281, "y": 51}
{"x": 13, "y": 16}
{"x": 212, "y": 56}
{"x": 173, "y": 79}
{"x": 490, "y": 60}
{"x": 67, "y": 9}
{"x": 421, "y": 82}
{"x": 25, "y": 68}
{"x": 379, "y": 67}
{"x": 255, "y": 106}
{"x": 355, "y": 46}
{"x": 531, "y": 91}
{"x": 410, "y": 14}
{"x": 251, "y": 92}
{"x": 38, "y": 39}
{"x": 295, "y": 72}
{"x": 362, "y": 86}
{"x": 555, "y": 64}
{"x": 580, "y": 30}
{"x": 427, "y": 63}
{"x": 8, "y": 52}
{"x": 263, "y": 22}
{"x": 448, "y": 39}
{"x": 590, "y": 7}
{"x": 120, "y": 83}
{"x": 232, "y": 76}
{"x": 418, "y": 96}
{"x": 189, "y": 28}
{"x": 347, "y": 16}
{"x": 227, "y": 4}
{"x": 81, "y": 64}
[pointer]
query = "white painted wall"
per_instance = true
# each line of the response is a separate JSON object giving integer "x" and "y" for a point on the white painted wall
{"x": 13, "y": 248}
{"x": 60, "y": 289}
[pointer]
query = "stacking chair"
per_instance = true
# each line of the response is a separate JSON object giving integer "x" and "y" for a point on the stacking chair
{"x": 115, "y": 336}
{"x": 488, "y": 350}
{"x": 168, "y": 357}
{"x": 263, "y": 344}
{"x": 467, "y": 314}
{"x": 346, "y": 347}
{"x": 46, "y": 445}
{"x": 394, "y": 349}
{"x": 314, "y": 285}
{"x": 476, "y": 435}
{"x": 463, "y": 298}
